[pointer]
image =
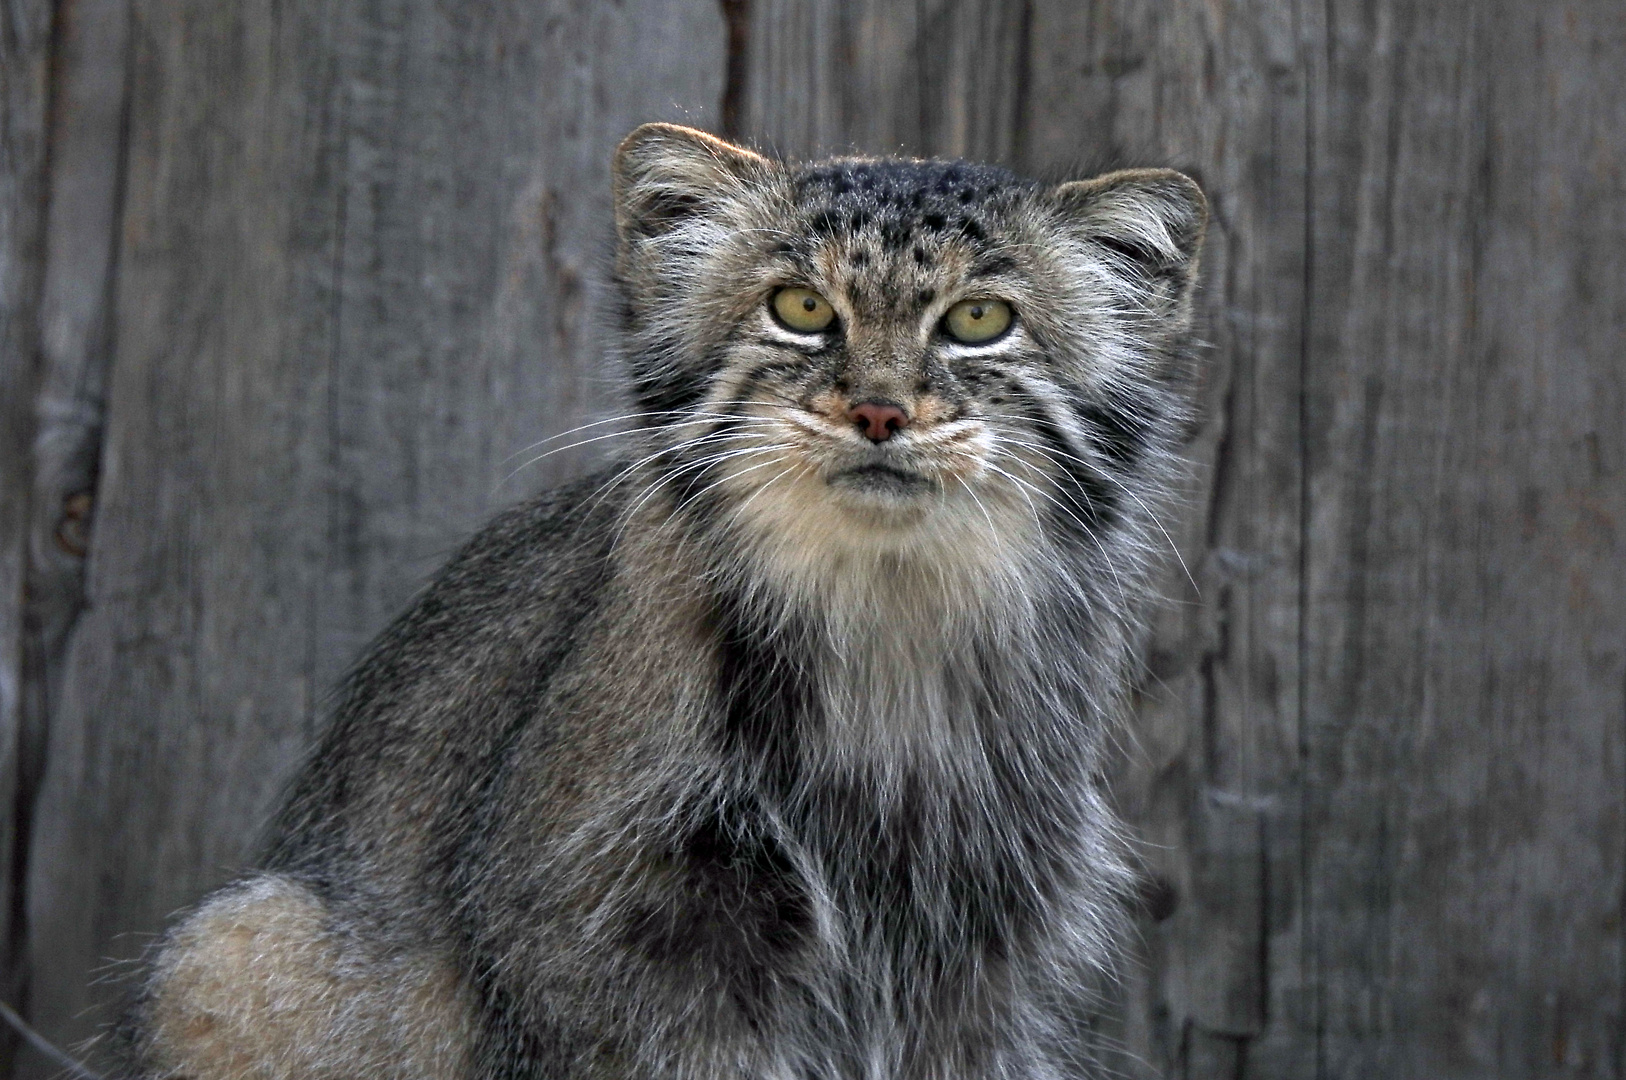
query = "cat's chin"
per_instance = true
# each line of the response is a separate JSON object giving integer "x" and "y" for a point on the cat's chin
{"x": 886, "y": 483}
{"x": 829, "y": 513}
{"x": 883, "y": 499}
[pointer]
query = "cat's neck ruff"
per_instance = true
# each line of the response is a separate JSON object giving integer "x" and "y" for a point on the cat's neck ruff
{"x": 936, "y": 570}
{"x": 914, "y": 616}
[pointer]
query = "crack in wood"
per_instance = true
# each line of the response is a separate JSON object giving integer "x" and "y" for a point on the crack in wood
{"x": 737, "y": 18}
{"x": 82, "y": 180}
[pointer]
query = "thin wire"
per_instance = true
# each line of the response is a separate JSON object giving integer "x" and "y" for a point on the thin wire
{"x": 45, "y": 1046}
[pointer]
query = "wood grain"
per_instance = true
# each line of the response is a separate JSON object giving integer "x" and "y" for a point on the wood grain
{"x": 25, "y": 42}
{"x": 73, "y": 320}
{"x": 347, "y": 262}
{"x": 1464, "y": 690}
{"x": 937, "y": 77}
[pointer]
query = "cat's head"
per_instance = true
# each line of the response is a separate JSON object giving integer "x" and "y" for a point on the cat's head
{"x": 885, "y": 353}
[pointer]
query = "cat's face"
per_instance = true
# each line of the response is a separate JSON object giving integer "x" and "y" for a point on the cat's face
{"x": 890, "y": 353}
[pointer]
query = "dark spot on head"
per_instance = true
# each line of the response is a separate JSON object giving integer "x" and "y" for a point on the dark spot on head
{"x": 920, "y": 256}
{"x": 926, "y": 296}
{"x": 971, "y": 230}
{"x": 894, "y": 235}
{"x": 921, "y": 196}
{"x": 859, "y": 257}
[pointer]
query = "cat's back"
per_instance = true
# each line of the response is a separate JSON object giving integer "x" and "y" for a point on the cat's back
{"x": 422, "y": 722}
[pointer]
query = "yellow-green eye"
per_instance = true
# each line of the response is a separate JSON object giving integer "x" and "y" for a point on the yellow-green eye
{"x": 974, "y": 321}
{"x": 803, "y": 310}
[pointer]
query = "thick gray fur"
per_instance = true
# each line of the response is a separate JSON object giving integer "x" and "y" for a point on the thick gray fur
{"x": 771, "y": 751}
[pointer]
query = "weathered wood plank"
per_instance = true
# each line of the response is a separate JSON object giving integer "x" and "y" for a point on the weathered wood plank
{"x": 87, "y": 113}
{"x": 1465, "y": 581}
{"x": 25, "y": 36}
{"x": 183, "y": 697}
{"x": 940, "y": 77}
{"x": 360, "y": 250}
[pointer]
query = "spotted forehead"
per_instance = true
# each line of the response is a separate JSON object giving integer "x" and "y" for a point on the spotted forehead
{"x": 895, "y": 226}
{"x": 907, "y": 201}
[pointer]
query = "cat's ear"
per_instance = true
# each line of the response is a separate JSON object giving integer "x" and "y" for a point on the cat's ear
{"x": 665, "y": 173}
{"x": 1150, "y": 220}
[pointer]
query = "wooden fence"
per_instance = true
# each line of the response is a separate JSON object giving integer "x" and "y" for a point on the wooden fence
{"x": 285, "y": 283}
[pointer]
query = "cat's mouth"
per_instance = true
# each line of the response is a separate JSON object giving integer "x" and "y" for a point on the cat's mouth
{"x": 901, "y": 478}
{"x": 883, "y": 479}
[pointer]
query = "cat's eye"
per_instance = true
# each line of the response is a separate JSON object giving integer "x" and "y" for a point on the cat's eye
{"x": 803, "y": 310}
{"x": 977, "y": 321}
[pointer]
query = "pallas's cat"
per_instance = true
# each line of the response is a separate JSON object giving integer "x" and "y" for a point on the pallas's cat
{"x": 773, "y": 749}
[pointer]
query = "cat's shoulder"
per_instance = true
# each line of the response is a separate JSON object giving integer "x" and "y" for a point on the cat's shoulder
{"x": 534, "y": 569}
{"x": 564, "y": 526}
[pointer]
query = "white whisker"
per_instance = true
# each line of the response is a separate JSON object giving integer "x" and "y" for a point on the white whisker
{"x": 1105, "y": 474}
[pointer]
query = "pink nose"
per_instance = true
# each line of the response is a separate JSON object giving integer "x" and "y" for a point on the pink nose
{"x": 878, "y": 419}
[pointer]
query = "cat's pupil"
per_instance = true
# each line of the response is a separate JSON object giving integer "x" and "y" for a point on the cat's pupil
{"x": 809, "y": 304}
{"x": 976, "y": 311}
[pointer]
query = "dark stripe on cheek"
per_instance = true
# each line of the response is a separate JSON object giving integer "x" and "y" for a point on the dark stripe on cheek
{"x": 666, "y": 381}
{"x": 1098, "y": 507}
{"x": 688, "y": 482}
{"x": 661, "y": 390}
{"x": 784, "y": 365}
{"x": 791, "y": 370}
{"x": 1119, "y": 430}
{"x": 669, "y": 383}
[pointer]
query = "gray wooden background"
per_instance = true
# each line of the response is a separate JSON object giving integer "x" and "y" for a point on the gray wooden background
{"x": 285, "y": 283}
